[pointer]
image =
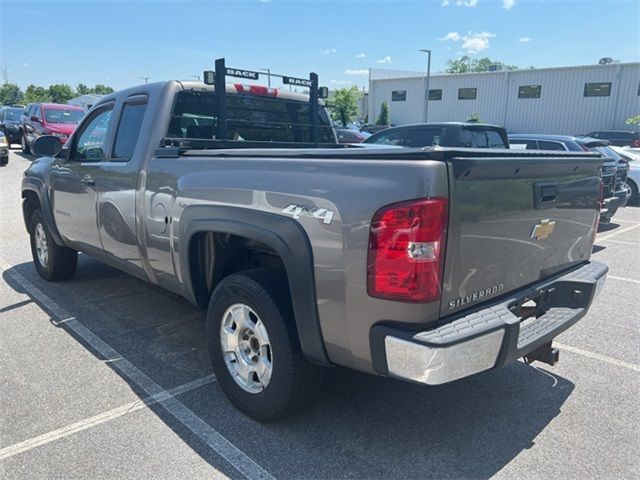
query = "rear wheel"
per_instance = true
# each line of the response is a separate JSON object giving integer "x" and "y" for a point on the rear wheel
{"x": 52, "y": 261}
{"x": 254, "y": 346}
{"x": 25, "y": 144}
{"x": 634, "y": 199}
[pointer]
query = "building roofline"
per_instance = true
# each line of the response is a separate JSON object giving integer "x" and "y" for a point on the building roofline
{"x": 502, "y": 72}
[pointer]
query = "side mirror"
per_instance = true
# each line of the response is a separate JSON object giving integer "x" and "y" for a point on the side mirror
{"x": 35, "y": 118}
{"x": 323, "y": 92}
{"x": 46, "y": 146}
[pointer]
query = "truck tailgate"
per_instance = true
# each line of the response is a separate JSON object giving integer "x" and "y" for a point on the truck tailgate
{"x": 514, "y": 221}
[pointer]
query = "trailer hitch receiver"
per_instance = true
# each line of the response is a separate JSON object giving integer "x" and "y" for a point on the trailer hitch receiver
{"x": 545, "y": 354}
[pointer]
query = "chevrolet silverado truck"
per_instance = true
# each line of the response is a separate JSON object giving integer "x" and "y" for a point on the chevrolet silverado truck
{"x": 422, "y": 264}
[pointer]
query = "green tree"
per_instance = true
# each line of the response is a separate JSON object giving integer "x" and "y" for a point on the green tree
{"x": 344, "y": 104}
{"x": 466, "y": 64}
{"x": 82, "y": 89}
{"x": 10, "y": 94}
{"x": 635, "y": 120}
{"x": 61, "y": 93}
{"x": 34, "y": 94}
{"x": 100, "y": 89}
{"x": 473, "y": 117}
{"x": 383, "y": 118}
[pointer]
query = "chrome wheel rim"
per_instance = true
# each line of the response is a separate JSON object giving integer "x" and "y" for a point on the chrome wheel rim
{"x": 246, "y": 348}
{"x": 42, "y": 251}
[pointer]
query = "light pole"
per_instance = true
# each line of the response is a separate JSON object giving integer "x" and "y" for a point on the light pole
{"x": 426, "y": 102}
{"x": 268, "y": 70}
{"x": 197, "y": 77}
{"x": 146, "y": 79}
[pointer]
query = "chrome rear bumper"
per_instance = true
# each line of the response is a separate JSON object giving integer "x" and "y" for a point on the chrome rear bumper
{"x": 490, "y": 337}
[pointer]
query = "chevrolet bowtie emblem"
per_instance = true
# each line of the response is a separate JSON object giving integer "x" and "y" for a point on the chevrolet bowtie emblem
{"x": 542, "y": 229}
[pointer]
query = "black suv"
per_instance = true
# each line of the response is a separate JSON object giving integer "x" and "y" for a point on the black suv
{"x": 448, "y": 134}
{"x": 619, "y": 138}
{"x": 10, "y": 123}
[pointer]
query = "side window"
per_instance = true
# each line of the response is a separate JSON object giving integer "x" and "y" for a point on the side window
{"x": 423, "y": 137}
{"x": 37, "y": 112}
{"x": 128, "y": 130}
{"x": 550, "y": 145}
{"x": 390, "y": 138}
{"x": 523, "y": 144}
{"x": 91, "y": 140}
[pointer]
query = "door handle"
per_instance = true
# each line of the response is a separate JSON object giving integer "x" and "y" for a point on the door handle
{"x": 88, "y": 181}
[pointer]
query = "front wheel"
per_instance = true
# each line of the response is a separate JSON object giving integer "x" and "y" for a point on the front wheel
{"x": 52, "y": 261}
{"x": 254, "y": 346}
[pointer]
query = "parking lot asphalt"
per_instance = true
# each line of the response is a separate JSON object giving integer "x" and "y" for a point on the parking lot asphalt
{"x": 105, "y": 376}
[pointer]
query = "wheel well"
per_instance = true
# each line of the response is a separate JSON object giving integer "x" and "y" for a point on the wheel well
{"x": 30, "y": 204}
{"x": 214, "y": 256}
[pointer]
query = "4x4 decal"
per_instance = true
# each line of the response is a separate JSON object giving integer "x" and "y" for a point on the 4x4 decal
{"x": 296, "y": 211}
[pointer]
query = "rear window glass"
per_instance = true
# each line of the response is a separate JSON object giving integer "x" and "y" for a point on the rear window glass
{"x": 249, "y": 118}
{"x": 423, "y": 137}
{"x": 544, "y": 145}
{"x": 478, "y": 138}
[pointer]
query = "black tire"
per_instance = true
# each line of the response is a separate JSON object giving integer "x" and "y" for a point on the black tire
{"x": 294, "y": 381}
{"x": 25, "y": 145}
{"x": 634, "y": 199}
{"x": 60, "y": 261}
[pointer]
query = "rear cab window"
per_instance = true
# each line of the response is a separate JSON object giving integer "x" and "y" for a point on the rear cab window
{"x": 423, "y": 137}
{"x": 249, "y": 118}
{"x": 480, "y": 137}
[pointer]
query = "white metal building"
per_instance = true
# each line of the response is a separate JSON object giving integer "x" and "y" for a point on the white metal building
{"x": 85, "y": 101}
{"x": 567, "y": 100}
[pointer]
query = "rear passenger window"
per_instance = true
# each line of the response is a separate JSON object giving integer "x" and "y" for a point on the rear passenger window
{"x": 128, "y": 130}
{"x": 523, "y": 144}
{"x": 550, "y": 145}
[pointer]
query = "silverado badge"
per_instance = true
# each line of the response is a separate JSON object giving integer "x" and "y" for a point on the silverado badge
{"x": 542, "y": 229}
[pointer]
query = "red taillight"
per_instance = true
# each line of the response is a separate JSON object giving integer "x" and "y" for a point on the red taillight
{"x": 406, "y": 250}
{"x": 256, "y": 90}
{"x": 635, "y": 143}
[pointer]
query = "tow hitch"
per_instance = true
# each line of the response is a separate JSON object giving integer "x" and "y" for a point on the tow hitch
{"x": 545, "y": 354}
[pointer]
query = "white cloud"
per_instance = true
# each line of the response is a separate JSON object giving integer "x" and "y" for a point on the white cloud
{"x": 471, "y": 42}
{"x": 467, "y": 3}
{"x": 386, "y": 59}
{"x": 361, "y": 55}
{"x": 26, "y": 65}
{"x": 265, "y": 1}
{"x": 353, "y": 71}
{"x": 453, "y": 36}
{"x": 333, "y": 81}
{"x": 328, "y": 51}
{"x": 524, "y": 39}
{"x": 508, "y": 4}
{"x": 445, "y": 3}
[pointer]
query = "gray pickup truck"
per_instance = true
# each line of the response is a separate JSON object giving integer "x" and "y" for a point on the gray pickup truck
{"x": 427, "y": 265}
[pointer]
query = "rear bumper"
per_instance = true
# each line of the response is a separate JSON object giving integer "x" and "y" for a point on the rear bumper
{"x": 490, "y": 337}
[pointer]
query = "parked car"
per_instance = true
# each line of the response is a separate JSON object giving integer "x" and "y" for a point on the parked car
{"x": 619, "y": 138}
{"x": 48, "y": 119}
{"x": 4, "y": 150}
{"x": 371, "y": 129}
{"x": 616, "y": 192}
{"x": 10, "y": 123}
{"x": 347, "y": 135}
{"x": 450, "y": 134}
{"x": 426, "y": 265}
{"x": 633, "y": 178}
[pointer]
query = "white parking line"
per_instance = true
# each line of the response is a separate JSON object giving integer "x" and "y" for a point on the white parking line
{"x": 131, "y": 407}
{"x": 624, "y": 279}
{"x": 617, "y": 232}
{"x": 597, "y": 356}
{"x": 636, "y": 244}
{"x": 217, "y": 442}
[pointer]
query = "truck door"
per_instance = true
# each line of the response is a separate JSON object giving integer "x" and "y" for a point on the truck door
{"x": 117, "y": 194}
{"x": 75, "y": 180}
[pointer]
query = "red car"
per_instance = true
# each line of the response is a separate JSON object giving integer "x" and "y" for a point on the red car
{"x": 48, "y": 119}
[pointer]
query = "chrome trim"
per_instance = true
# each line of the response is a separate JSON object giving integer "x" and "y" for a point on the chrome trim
{"x": 434, "y": 366}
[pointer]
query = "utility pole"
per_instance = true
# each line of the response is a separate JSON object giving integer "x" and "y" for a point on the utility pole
{"x": 197, "y": 77}
{"x": 146, "y": 79}
{"x": 426, "y": 102}
{"x": 268, "y": 70}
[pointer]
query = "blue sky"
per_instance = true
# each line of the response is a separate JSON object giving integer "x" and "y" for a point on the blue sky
{"x": 118, "y": 42}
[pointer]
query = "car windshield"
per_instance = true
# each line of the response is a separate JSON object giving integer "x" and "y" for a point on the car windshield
{"x": 63, "y": 115}
{"x": 13, "y": 113}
